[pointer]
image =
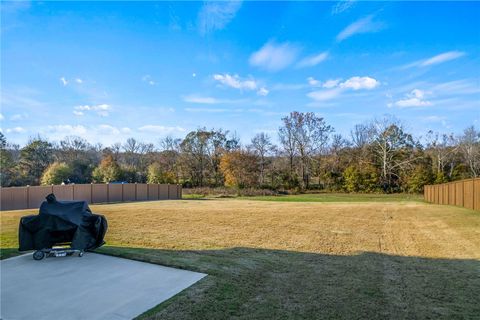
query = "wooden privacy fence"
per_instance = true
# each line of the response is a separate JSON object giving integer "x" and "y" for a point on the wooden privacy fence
{"x": 464, "y": 193}
{"x": 15, "y": 198}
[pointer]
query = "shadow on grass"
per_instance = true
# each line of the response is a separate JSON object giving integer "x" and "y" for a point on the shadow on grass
{"x": 248, "y": 283}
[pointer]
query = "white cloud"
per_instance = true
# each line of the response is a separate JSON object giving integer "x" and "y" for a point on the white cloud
{"x": 363, "y": 25}
{"x": 274, "y": 57}
{"x": 101, "y": 109}
{"x": 262, "y": 92}
{"x": 235, "y": 81}
{"x": 335, "y": 88}
{"x": 323, "y": 95}
{"x": 357, "y": 83}
{"x": 2, "y": 117}
{"x": 208, "y": 100}
{"x": 416, "y": 98}
{"x": 313, "y": 60}
{"x": 67, "y": 130}
{"x": 216, "y": 15}
{"x": 331, "y": 83}
{"x": 107, "y": 129}
{"x": 313, "y": 82}
{"x": 126, "y": 130}
{"x": 160, "y": 129}
{"x": 64, "y": 81}
{"x": 16, "y": 130}
{"x": 79, "y": 81}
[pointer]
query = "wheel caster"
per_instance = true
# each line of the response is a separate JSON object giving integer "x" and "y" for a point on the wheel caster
{"x": 38, "y": 255}
{"x": 80, "y": 254}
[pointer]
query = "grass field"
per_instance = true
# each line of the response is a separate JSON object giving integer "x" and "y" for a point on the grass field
{"x": 382, "y": 258}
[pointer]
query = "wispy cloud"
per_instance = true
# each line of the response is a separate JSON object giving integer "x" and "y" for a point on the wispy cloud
{"x": 2, "y": 117}
{"x": 216, "y": 15}
{"x": 101, "y": 109}
{"x": 364, "y": 25}
{"x": 63, "y": 81}
{"x": 16, "y": 130}
{"x": 416, "y": 98}
{"x": 438, "y": 59}
{"x": 342, "y": 5}
{"x": 357, "y": 83}
{"x": 313, "y": 60}
{"x": 148, "y": 79}
{"x": 274, "y": 57}
{"x": 207, "y": 110}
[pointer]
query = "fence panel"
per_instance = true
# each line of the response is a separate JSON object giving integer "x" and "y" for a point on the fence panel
{"x": 152, "y": 191}
{"x": 129, "y": 192}
{"x": 459, "y": 193}
{"x": 63, "y": 193}
{"x": 451, "y": 193}
{"x": 142, "y": 192}
{"x": 36, "y": 195}
{"x": 14, "y": 198}
{"x": 476, "y": 194}
{"x": 99, "y": 193}
{"x": 82, "y": 192}
{"x": 115, "y": 192}
{"x": 163, "y": 191}
{"x": 468, "y": 194}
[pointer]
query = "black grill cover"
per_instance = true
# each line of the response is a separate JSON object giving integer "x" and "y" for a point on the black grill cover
{"x": 62, "y": 222}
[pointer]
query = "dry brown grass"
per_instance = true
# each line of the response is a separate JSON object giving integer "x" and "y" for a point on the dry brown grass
{"x": 383, "y": 259}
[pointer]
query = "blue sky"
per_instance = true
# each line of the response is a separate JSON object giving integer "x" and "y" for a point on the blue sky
{"x": 107, "y": 71}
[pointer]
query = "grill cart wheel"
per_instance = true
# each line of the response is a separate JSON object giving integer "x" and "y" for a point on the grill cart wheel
{"x": 38, "y": 255}
{"x": 80, "y": 254}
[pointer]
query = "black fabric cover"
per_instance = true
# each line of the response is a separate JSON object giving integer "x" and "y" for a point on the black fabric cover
{"x": 62, "y": 222}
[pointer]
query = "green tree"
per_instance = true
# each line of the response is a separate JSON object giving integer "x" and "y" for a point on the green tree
{"x": 107, "y": 171}
{"x": 7, "y": 165}
{"x": 56, "y": 173}
{"x": 35, "y": 157}
{"x": 157, "y": 174}
{"x": 352, "y": 179}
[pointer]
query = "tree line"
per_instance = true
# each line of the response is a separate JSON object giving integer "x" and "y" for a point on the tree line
{"x": 377, "y": 156}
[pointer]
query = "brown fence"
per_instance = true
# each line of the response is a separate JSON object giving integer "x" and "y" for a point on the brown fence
{"x": 15, "y": 198}
{"x": 464, "y": 193}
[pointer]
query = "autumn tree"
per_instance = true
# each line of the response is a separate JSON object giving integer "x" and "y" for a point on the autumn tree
{"x": 240, "y": 169}
{"x": 107, "y": 171}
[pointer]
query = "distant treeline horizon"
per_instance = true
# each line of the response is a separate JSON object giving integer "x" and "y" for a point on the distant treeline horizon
{"x": 377, "y": 156}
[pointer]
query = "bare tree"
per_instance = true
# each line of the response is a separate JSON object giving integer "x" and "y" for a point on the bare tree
{"x": 262, "y": 146}
{"x": 392, "y": 148}
{"x": 310, "y": 134}
{"x": 469, "y": 145}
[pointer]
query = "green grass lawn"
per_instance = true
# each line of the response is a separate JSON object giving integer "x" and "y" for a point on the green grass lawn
{"x": 324, "y": 197}
{"x": 383, "y": 258}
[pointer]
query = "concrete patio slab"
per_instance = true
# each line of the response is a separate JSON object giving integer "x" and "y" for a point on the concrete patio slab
{"x": 94, "y": 286}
